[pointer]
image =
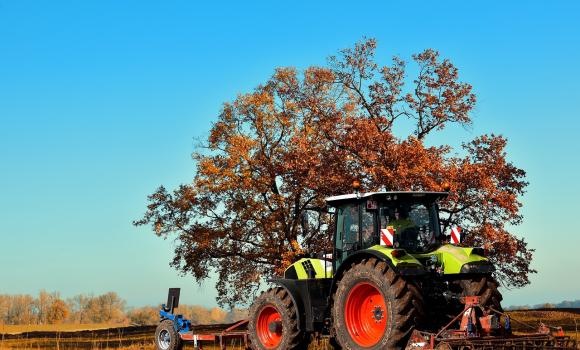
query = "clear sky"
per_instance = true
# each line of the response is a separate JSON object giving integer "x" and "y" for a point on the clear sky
{"x": 100, "y": 102}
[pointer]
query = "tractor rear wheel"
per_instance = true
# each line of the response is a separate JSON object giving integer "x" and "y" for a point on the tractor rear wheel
{"x": 483, "y": 286}
{"x": 166, "y": 337}
{"x": 374, "y": 308}
{"x": 486, "y": 288}
{"x": 273, "y": 323}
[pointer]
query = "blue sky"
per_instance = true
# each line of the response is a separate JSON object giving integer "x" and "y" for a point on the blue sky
{"x": 100, "y": 102}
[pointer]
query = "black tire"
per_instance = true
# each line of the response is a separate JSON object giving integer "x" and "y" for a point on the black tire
{"x": 333, "y": 343}
{"x": 282, "y": 333}
{"x": 166, "y": 338}
{"x": 402, "y": 300}
{"x": 486, "y": 287}
{"x": 483, "y": 286}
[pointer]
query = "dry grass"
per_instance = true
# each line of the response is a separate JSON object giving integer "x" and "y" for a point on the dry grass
{"x": 133, "y": 343}
{"x": 15, "y": 329}
{"x": 568, "y": 320}
{"x": 100, "y": 337}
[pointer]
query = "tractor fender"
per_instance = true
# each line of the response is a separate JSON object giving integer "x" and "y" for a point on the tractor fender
{"x": 310, "y": 296}
{"x": 293, "y": 291}
{"x": 400, "y": 268}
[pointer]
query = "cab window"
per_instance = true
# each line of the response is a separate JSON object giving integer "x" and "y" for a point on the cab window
{"x": 351, "y": 224}
{"x": 369, "y": 238}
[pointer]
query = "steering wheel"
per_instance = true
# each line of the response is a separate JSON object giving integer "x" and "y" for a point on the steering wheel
{"x": 410, "y": 236}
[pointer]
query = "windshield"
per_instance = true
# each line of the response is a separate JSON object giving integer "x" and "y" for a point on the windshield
{"x": 415, "y": 224}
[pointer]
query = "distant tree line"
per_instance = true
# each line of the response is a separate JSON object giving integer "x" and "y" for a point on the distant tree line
{"x": 566, "y": 304}
{"x": 110, "y": 308}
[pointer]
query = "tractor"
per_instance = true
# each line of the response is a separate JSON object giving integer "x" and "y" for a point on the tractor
{"x": 392, "y": 270}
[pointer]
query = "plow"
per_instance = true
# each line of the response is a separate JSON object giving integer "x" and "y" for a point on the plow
{"x": 394, "y": 280}
{"x": 484, "y": 329}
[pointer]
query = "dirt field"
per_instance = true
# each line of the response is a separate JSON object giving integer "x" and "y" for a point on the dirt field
{"x": 99, "y": 337}
{"x": 16, "y": 329}
{"x": 111, "y": 338}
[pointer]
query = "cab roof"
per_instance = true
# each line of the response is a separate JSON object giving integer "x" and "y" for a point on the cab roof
{"x": 391, "y": 195}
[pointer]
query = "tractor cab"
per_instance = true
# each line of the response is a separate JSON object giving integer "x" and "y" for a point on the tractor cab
{"x": 404, "y": 220}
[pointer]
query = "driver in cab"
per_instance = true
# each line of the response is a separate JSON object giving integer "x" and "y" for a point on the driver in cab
{"x": 400, "y": 222}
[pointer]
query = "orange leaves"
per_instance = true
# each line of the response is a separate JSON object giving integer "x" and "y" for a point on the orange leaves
{"x": 286, "y": 79}
{"x": 319, "y": 77}
{"x": 510, "y": 254}
{"x": 438, "y": 97}
{"x": 289, "y": 256}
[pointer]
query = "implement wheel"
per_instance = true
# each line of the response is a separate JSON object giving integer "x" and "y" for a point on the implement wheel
{"x": 166, "y": 338}
{"x": 374, "y": 308}
{"x": 273, "y": 322}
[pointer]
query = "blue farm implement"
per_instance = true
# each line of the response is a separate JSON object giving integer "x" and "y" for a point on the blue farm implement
{"x": 174, "y": 330}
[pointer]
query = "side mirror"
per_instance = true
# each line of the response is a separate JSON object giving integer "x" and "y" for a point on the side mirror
{"x": 456, "y": 235}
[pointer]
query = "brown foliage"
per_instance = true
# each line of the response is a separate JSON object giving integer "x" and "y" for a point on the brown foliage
{"x": 47, "y": 308}
{"x": 302, "y": 136}
{"x": 57, "y": 312}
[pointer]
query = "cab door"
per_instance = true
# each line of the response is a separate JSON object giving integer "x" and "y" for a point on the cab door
{"x": 347, "y": 235}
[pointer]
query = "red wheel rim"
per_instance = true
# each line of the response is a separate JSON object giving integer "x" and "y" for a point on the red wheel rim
{"x": 269, "y": 327}
{"x": 365, "y": 314}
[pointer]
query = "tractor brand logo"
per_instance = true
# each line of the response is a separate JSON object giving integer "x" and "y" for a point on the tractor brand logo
{"x": 455, "y": 235}
{"x": 309, "y": 268}
{"x": 387, "y": 235}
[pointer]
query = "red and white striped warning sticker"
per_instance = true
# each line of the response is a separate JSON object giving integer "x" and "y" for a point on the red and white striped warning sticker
{"x": 456, "y": 235}
{"x": 387, "y": 235}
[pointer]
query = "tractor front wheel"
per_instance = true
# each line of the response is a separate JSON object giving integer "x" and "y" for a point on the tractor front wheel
{"x": 166, "y": 337}
{"x": 273, "y": 323}
{"x": 374, "y": 308}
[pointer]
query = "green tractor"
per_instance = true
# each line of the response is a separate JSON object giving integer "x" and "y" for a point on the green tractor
{"x": 392, "y": 270}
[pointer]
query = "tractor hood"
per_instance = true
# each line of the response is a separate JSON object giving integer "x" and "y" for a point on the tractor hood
{"x": 455, "y": 260}
{"x": 449, "y": 259}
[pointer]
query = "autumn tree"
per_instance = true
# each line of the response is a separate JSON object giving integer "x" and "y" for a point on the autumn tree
{"x": 79, "y": 306}
{"x": 42, "y": 304}
{"x": 106, "y": 308}
{"x": 147, "y": 315}
{"x": 57, "y": 312}
{"x": 281, "y": 149}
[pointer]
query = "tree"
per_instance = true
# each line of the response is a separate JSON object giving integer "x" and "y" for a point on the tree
{"x": 79, "y": 306}
{"x": 42, "y": 304}
{"x": 107, "y": 308}
{"x": 147, "y": 315}
{"x": 217, "y": 315}
{"x": 302, "y": 136}
{"x": 18, "y": 309}
{"x": 57, "y": 312}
